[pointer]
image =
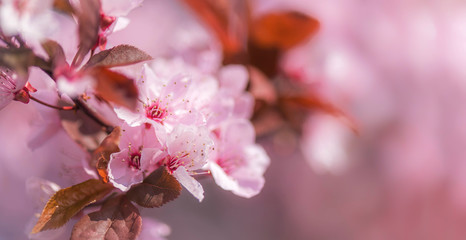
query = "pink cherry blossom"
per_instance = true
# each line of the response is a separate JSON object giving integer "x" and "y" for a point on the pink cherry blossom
{"x": 239, "y": 163}
{"x": 187, "y": 150}
{"x": 11, "y": 87}
{"x": 138, "y": 145}
{"x": 233, "y": 81}
{"x": 153, "y": 230}
{"x": 32, "y": 19}
{"x": 162, "y": 101}
{"x": 119, "y": 8}
{"x": 112, "y": 18}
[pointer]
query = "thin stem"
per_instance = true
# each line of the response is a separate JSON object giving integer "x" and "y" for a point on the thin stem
{"x": 65, "y": 108}
{"x": 83, "y": 106}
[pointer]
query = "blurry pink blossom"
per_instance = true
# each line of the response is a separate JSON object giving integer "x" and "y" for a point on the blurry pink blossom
{"x": 32, "y": 19}
{"x": 12, "y": 87}
{"x": 153, "y": 230}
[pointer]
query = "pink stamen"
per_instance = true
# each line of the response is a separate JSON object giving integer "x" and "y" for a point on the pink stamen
{"x": 156, "y": 112}
{"x": 135, "y": 160}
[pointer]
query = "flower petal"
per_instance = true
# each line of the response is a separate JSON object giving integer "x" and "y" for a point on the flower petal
{"x": 191, "y": 184}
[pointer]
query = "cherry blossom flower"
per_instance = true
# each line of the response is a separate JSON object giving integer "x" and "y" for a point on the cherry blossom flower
{"x": 239, "y": 163}
{"x": 119, "y": 7}
{"x": 138, "y": 145}
{"x": 187, "y": 150}
{"x": 32, "y": 19}
{"x": 162, "y": 101}
{"x": 112, "y": 18}
{"x": 74, "y": 83}
{"x": 233, "y": 81}
{"x": 153, "y": 230}
{"x": 12, "y": 87}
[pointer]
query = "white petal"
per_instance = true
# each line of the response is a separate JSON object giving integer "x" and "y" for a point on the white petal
{"x": 121, "y": 23}
{"x": 221, "y": 178}
{"x": 133, "y": 119}
{"x": 234, "y": 78}
{"x": 188, "y": 182}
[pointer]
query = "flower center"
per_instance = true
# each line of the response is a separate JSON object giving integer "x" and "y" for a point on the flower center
{"x": 156, "y": 112}
{"x": 135, "y": 160}
{"x": 173, "y": 162}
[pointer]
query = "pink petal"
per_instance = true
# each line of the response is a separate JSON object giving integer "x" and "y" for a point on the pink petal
{"x": 120, "y": 174}
{"x": 221, "y": 178}
{"x": 191, "y": 184}
{"x": 234, "y": 78}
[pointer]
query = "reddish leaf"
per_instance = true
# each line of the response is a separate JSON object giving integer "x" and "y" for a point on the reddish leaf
{"x": 56, "y": 54}
{"x": 118, "y": 56}
{"x": 157, "y": 189}
{"x": 82, "y": 128}
{"x": 101, "y": 156}
{"x": 63, "y": 6}
{"x": 115, "y": 87}
{"x": 65, "y": 203}
{"x": 282, "y": 30}
{"x": 17, "y": 59}
{"x": 227, "y": 19}
{"x": 88, "y": 28}
{"x": 314, "y": 102}
{"x": 118, "y": 219}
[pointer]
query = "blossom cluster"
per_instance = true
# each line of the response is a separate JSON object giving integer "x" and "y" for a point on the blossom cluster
{"x": 191, "y": 123}
{"x": 162, "y": 121}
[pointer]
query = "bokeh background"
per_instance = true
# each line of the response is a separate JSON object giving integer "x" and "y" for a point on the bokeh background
{"x": 395, "y": 66}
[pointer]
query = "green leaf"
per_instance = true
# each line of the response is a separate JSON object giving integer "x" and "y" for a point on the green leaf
{"x": 120, "y": 55}
{"x": 157, "y": 189}
{"x": 65, "y": 203}
{"x": 118, "y": 219}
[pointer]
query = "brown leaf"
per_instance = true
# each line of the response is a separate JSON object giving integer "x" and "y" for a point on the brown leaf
{"x": 101, "y": 156}
{"x": 65, "y": 203}
{"x": 118, "y": 219}
{"x": 120, "y": 55}
{"x": 227, "y": 19}
{"x": 56, "y": 54}
{"x": 282, "y": 30}
{"x": 115, "y": 87}
{"x": 88, "y": 28}
{"x": 17, "y": 59}
{"x": 82, "y": 129}
{"x": 261, "y": 87}
{"x": 63, "y": 6}
{"x": 314, "y": 102}
{"x": 157, "y": 189}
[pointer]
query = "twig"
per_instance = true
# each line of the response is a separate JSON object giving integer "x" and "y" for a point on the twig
{"x": 65, "y": 108}
{"x": 83, "y": 106}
